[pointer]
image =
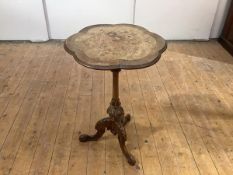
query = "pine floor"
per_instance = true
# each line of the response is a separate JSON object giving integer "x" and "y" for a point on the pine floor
{"x": 182, "y": 111}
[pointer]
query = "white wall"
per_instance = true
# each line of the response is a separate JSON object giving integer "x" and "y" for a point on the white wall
{"x": 220, "y": 17}
{"x": 174, "y": 19}
{"x": 177, "y": 19}
{"x": 66, "y": 18}
{"x": 22, "y": 20}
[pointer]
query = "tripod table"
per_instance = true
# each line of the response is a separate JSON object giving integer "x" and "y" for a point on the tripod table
{"x": 115, "y": 47}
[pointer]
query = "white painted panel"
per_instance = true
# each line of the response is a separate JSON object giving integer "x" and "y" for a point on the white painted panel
{"x": 22, "y": 20}
{"x": 177, "y": 19}
{"x": 220, "y": 18}
{"x": 68, "y": 17}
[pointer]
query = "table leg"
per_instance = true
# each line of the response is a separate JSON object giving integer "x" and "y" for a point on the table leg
{"x": 115, "y": 122}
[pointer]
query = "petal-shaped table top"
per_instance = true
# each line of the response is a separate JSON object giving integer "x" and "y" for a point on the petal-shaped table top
{"x": 119, "y": 46}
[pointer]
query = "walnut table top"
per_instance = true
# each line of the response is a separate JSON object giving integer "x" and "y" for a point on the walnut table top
{"x": 119, "y": 46}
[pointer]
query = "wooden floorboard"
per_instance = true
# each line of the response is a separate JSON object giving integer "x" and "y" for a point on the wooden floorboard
{"x": 182, "y": 110}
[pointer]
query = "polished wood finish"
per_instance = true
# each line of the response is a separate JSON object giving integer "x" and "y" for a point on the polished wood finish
{"x": 115, "y": 47}
{"x": 226, "y": 38}
{"x": 181, "y": 112}
{"x": 119, "y": 46}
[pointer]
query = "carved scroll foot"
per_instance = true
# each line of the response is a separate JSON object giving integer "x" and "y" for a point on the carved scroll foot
{"x": 100, "y": 127}
{"x": 122, "y": 139}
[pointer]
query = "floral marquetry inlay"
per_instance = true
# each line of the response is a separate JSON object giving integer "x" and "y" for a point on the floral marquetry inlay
{"x": 116, "y": 42}
{"x": 115, "y": 46}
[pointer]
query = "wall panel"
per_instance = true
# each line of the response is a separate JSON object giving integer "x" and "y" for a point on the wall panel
{"x": 68, "y": 17}
{"x": 177, "y": 19}
{"x": 22, "y": 20}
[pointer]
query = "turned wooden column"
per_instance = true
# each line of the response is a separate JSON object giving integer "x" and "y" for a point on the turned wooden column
{"x": 115, "y": 84}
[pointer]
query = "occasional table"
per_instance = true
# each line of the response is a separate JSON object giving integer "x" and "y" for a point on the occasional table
{"x": 115, "y": 47}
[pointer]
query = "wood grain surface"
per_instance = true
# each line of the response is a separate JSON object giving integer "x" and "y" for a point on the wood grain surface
{"x": 182, "y": 111}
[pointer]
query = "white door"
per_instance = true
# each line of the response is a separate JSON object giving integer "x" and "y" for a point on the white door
{"x": 22, "y": 20}
{"x": 177, "y": 19}
{"x": 68, "y": 17}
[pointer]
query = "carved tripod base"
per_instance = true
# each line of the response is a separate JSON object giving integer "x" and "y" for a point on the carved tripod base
{"x": 116, "y": 126}
{"x": 115, "y": 123}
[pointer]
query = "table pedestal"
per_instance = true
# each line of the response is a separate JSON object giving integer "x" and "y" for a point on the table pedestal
{"x": 115, "y": 122}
